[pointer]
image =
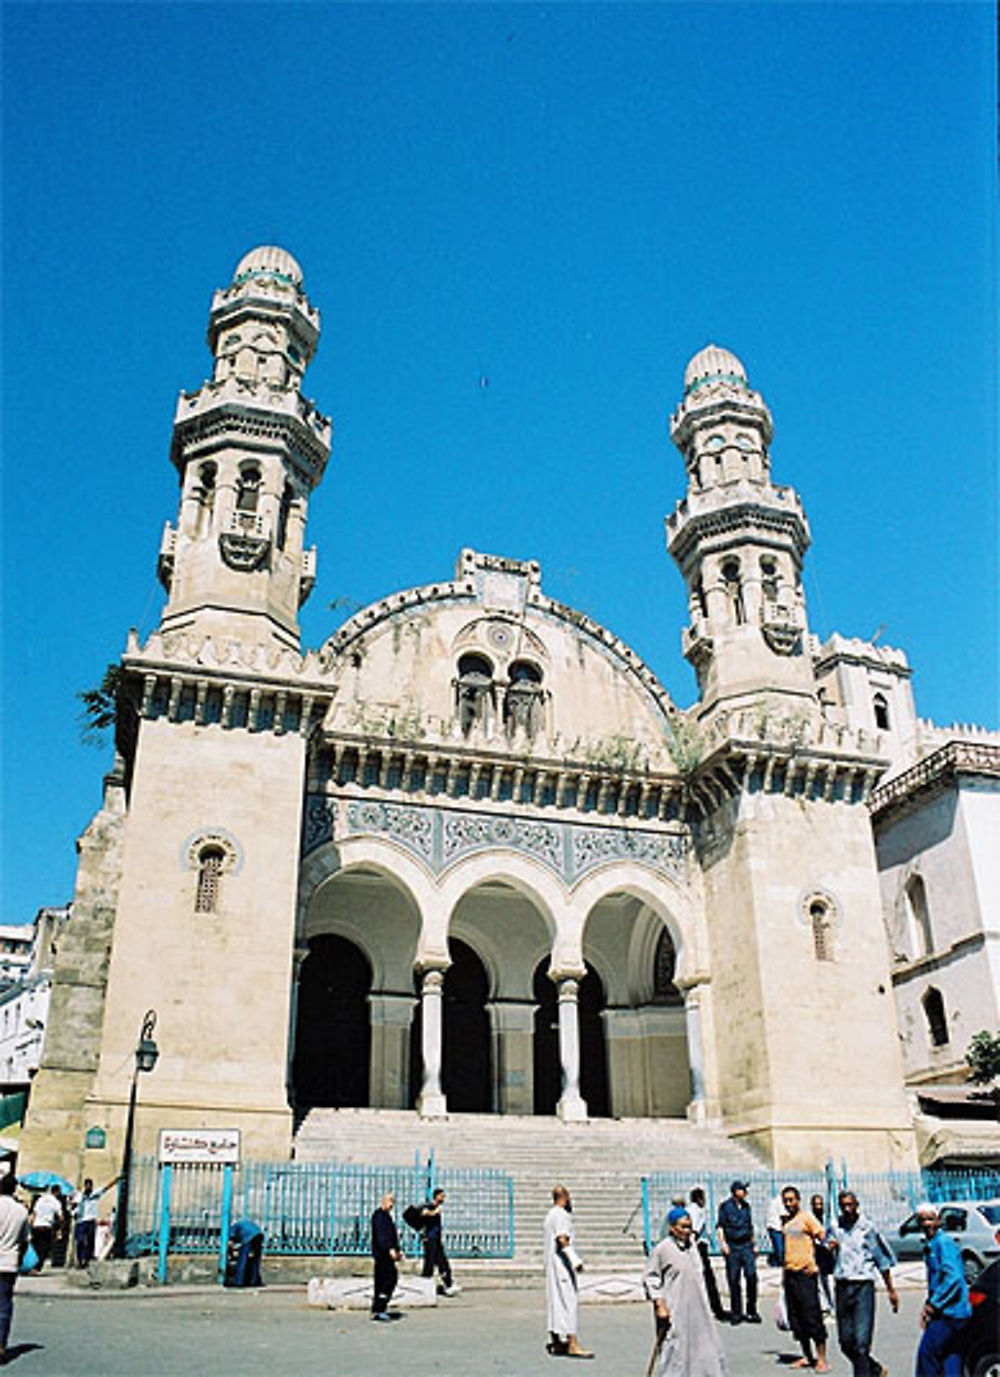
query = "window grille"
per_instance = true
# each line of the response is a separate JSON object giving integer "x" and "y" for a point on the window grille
{"x": 209, "y": 874}
{"x": 822, "y": 930}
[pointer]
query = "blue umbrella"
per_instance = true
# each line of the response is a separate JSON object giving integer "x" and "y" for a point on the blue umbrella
{"x": 42, "y": 1180}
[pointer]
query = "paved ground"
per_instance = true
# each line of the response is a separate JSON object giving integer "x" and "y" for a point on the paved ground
{"x": 214, "y": 1333}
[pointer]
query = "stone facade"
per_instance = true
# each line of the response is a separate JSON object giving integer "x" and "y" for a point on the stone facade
{"x": 468, "y": 854}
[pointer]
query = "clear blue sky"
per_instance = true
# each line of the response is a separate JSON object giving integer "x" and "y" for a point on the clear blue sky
{"x": 569, "y": 199}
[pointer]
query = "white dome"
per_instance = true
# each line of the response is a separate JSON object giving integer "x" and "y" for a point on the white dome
{"x": 713, "y": 362}
{"x": 269, "y": 261}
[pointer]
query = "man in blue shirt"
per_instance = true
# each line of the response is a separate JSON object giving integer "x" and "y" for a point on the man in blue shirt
{"x": 946, "y": 1311}
{"x": 862, "y": 1255}
{"x": 735, "y": 1233}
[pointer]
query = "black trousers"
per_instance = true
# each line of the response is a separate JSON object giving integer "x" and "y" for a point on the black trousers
{"x": 710, "y": 1284}
{"x": 805, "y": 1319}
{"x": 740, "y": 1261}
{"x": 386, "y": 1276}
{"x": 435, "y": 1256}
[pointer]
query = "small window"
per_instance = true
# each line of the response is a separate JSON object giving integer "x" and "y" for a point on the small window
{"x": 953, "y": 1220}
{"x": 715, "y": 442}
{"x": 769, "y": 578}
{"x": 937, "y": 1023}
{"x": 209, "y": 873}
{"x": 248, "y": 488}
{"x": 283, "y": 510}
{"x": 522, "y": 702}
{"x": 922, "y": 939}
{"x": 821, "y": 920}
{"x": 734, "y": 589}
{"x": 665, "y": 990}
{"x": 880, "y": 705}
{"x": 475, "y": 696}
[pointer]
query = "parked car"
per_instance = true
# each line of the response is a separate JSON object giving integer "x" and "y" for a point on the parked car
{"x": 982, "y": 1338}
{"x": 973, "y": 1224}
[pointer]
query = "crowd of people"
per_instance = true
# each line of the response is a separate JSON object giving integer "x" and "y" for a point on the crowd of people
{"x": 848, "y": 1249}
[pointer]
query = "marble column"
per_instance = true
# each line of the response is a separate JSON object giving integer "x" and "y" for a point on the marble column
{"x": 431, "y": 1101}
{"x": 298, "y": 956}
{"x": 696, "y": 1054}
{"x": 391, "y": 1016}
{"x": 571, "y": 1105}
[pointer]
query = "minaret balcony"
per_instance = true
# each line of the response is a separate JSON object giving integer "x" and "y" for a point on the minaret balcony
{"x": 696, "y": 641}
{"x": 308, "y": 575}
{"x": 782, "y": 625}
{"x": 168, "y": 552}
{"x": 245, "y": 540}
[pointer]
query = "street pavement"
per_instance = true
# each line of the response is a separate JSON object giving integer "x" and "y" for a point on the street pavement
{"x": 208, "y": 1332}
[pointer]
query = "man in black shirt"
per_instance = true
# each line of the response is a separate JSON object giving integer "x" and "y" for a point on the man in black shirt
{"x": 387, "y": 1253}
{"x": 434, "y": 1253}
{"x": 735, "y": 1234}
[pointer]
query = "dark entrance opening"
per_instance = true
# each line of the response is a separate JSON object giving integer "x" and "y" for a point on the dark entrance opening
{"x": 593, "y": 1054}
{"x": 466, "y": 1077}
{"x": 333, "y": 1031}
{"x": 547, "y": 1073}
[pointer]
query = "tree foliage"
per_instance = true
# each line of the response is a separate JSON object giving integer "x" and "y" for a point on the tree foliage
{"x": 100, "y": 705}
{"x": 983, "y": 1057}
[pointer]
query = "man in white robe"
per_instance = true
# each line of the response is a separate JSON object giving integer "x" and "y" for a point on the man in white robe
{"x": 561, "y": 1266}
{"x": 687, "y": 1343}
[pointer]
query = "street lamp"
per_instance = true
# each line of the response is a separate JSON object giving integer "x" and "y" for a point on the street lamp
{"x": 146, "y": 1053}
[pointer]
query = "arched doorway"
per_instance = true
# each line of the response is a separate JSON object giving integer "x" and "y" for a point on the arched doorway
{"x": 593, "y": 1056}
{"x": 466, "y": 1074}
{"x": 333, "y": 1033}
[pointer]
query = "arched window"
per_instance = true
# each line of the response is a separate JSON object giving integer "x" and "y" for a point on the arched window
{"x": 248, "y": 488}
{"x": 937, "y": 1023}
{"x": 821, "y": 921}
{"x": 769, "y": 577}
{"x": 522, "y": 703}
{"x": 210, "y": 862}
{"x": 283, "y": 510}
{"x": 922, "y": 943}
{"x": 734, "y": 590}
{"x": 474, "y": 692}
{"x": 880, "y": 704}
{"x": 664, "y": 969}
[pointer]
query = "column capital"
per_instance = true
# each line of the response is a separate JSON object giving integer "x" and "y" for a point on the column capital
{"x": 558, "y": 974}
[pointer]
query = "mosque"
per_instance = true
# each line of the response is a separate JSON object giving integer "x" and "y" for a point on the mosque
{"x": 468, "y": 856}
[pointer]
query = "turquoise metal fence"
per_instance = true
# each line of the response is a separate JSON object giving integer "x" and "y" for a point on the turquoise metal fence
{"x": 311, "y": 1209}
{"x": 885, "y": 1197}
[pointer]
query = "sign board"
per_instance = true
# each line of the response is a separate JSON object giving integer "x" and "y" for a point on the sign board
{"x": 95, "y": 1138}
{"x": 190, "y": 1145}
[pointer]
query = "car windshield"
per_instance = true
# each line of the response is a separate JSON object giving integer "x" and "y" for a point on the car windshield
{"x": 991, "y": 1213}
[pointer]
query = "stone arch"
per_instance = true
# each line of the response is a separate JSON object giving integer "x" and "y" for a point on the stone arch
{"x": 662, "y": 896}
{"x": 622, "y": 912}
{"x": 534, "y": 881}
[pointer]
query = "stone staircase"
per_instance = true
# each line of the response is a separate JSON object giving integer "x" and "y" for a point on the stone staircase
{"x": 602, "y": 1161}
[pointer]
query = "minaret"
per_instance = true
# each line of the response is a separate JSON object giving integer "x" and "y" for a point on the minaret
{"x": 739, "y": 541}
{"x": 249, "y": 449}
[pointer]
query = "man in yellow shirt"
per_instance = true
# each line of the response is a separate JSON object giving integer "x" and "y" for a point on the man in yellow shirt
{"x": 801, "y": 1231}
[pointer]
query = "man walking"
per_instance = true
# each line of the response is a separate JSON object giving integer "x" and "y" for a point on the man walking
{"x": 861, "y": 1255}
{"x": 46, "y": 1218}
{"x": 13, "y": 1242}
{"x": 946, "y": 1311}
{"x": 434, "y": 1253}
{"x": 386, "y": 1253}
{"x": 735, "y": 1234}
{"x": 699, "y": 1232}
{"x": 800, "y": 1278}
{"x": 687, "y": 1343}
{"x": 561, "y": 1266}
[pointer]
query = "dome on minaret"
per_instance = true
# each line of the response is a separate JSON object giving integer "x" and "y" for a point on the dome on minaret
{"x": 713, "y": 364}
{"x": 268, "y": 261}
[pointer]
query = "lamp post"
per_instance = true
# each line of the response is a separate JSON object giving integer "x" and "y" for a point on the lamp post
{"x": 146, "y": 1053}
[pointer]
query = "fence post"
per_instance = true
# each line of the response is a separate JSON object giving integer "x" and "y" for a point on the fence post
{"x": 645, "y": 1215}
{"x": 164, "y": 1239}
{"x": 510, "y": 1216}
{"x": 225, "y": 1219}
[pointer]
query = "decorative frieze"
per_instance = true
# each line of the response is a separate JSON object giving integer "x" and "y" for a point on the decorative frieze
{"x": 441, "y": 836}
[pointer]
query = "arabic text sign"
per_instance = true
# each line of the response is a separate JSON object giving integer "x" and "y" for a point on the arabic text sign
{"x": 180, "y": 1145}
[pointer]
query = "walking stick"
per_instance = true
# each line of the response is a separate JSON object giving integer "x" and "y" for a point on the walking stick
{"x": 661, "y": 1334}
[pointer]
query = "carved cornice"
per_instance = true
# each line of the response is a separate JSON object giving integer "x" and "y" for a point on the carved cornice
{"x": 937, "y": 772}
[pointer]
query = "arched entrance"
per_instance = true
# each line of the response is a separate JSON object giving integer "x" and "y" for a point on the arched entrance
{"x": 593, "y": 1057}
{"x": 333, "y": 1032}
{"x": 466, "y": 1072}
